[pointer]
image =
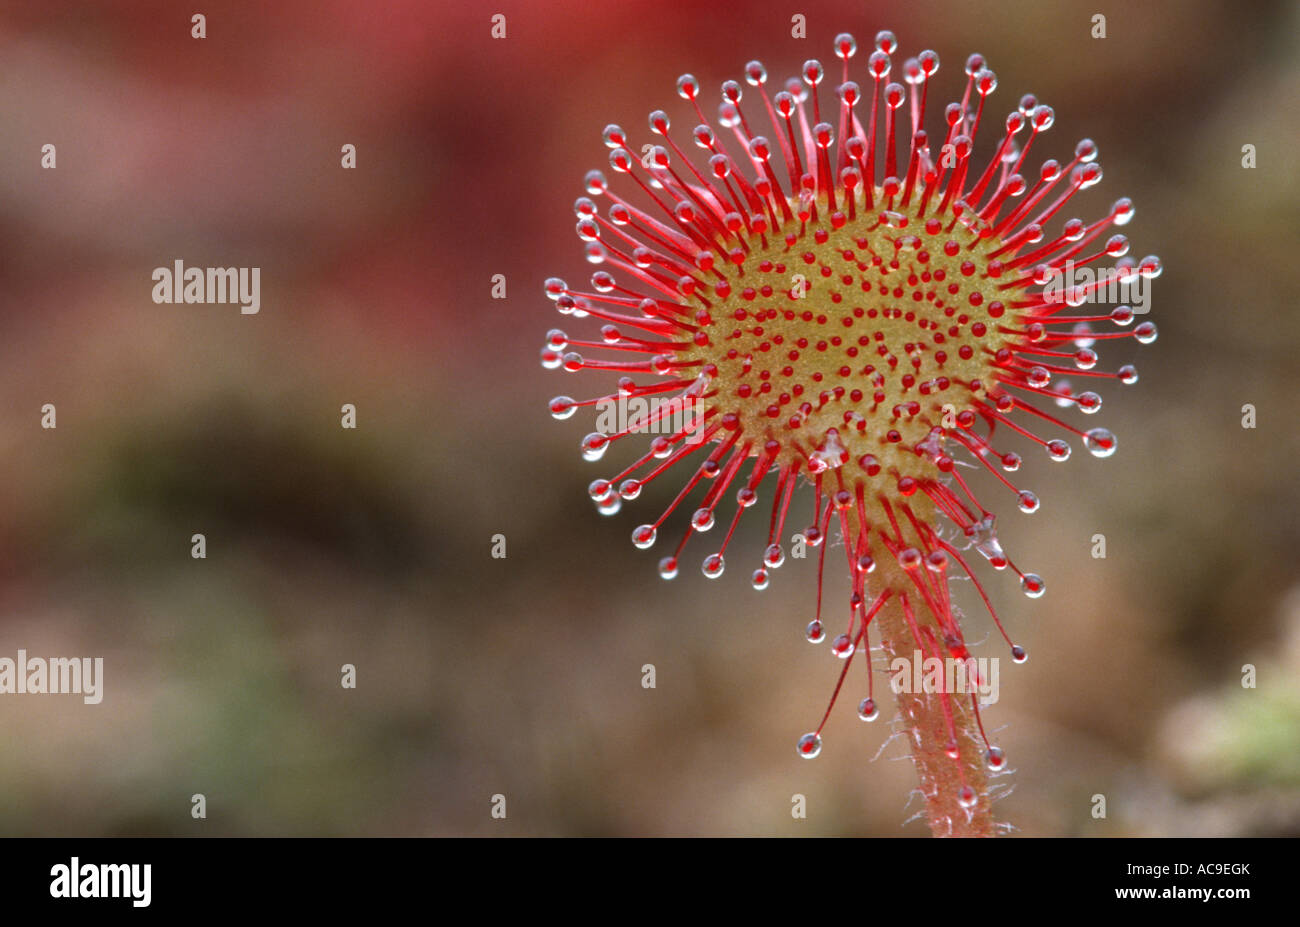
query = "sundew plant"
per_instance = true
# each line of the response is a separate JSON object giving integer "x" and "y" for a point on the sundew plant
{"x": 835, "y": 290}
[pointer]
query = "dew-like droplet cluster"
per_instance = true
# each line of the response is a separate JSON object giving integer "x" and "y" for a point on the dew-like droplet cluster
{"x": 841, "y": 296}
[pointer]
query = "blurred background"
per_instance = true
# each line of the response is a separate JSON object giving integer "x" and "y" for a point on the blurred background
{"x": 522, "y": 676}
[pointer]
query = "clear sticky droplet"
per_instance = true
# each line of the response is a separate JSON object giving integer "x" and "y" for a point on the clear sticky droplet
{"x": 562, "y": 407}
{"x": 702, "y": 519}
{"x": 829, "y": 454}
{"x": 668, "y": 568}
{"x": 1033, "y": 585}
{"x": 867, "y": 710}
{"x": 1100, "y": 442}
{"x": 966, "y": 797}
{"x": 594, "y": 446}
{"x": 843, "y": 646}
{"x": 713, "y": 566}
{"x": 1058, "y": 450}
{"x": 643, "y": 536}
{"x": 985, "y": 538}
{"x": 815, "y": 632}
{"x": 994, "y": 759}
{"x": 810, "y": 745}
